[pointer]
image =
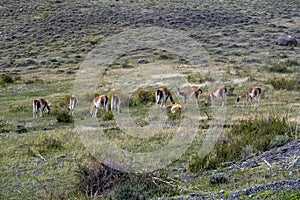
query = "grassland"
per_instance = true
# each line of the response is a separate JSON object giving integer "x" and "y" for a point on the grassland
{"x": 45, "y": 43}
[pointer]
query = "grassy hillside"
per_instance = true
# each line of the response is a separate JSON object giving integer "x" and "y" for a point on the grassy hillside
{"x": 46, "y": 46}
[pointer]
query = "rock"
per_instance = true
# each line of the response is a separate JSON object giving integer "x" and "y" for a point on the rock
{"x": 287, "y": 40}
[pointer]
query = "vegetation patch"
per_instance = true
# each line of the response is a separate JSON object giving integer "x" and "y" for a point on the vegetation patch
{"x": 98, "y": 179}
{"x": 246, "y": 138}
{"x": 284, "y": 66}
{"x": 284, "y": 84}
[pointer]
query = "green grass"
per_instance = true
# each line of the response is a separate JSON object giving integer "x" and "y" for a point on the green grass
{"x": 40, "y": 158}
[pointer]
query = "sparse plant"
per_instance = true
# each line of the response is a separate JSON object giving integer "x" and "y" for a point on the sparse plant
{"x": 98, "y": 179}
{"x": 5, "y": 126}
{"x": 283, "y": 66}
{"x": 6, "y": 78}
{"x": 195, "y": 78}
{"x": 106, "y": 116}
{"x": 218, "y": 178}
{"x": 64, "y": 116}
{"x": 48, "y": 143}
{"x": 284, "y": 83}
{"x": 279, "y": 140}
{"x": 142, "y": 96}
{"x": 256, "y": 133}
{"x": 22, "y": 129}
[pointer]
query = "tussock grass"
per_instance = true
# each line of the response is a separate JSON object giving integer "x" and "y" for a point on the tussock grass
{"x": 246, "y": 138}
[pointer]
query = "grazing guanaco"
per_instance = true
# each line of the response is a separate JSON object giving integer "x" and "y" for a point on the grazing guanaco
{"x": 187, "y": 92}
{"x": 176, "y": 107}
{"x": 218, "y": 92}
{"x": 73, "y": 104}
{"x": 253, "y": 92}
{"x": 99, "y": 102}
{"x": 40, "y": 104}
{"x": 115, "y": 103}
{"x": 162, "y": 94}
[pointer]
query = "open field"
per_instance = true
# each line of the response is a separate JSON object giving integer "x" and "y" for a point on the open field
{"x": 46, "y": 51}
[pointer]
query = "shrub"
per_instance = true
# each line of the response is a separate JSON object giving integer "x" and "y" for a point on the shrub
{"x": 145, "y": 96}
{"x": 96, "y": 178}
{"x": 64, "y": 116}
{"x": 284, "y": 84}
{"x": 279, "y": 140}
{"x": 22, "y": 129}
{"x": 218, "y": 178}
{"x": 5, "y": 126}
{"x": 142, "y": 96}
{"x": 6, "y": 78}
{"x": 106, "y": 116}
{"x": 246, "y": 138}
{"x": 195, "y": 78}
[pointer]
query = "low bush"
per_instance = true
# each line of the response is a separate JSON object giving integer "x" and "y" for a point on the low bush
{"x": 142, "y": 96}
{"x": 6, "y": 78}
{"x": 64, "y": 117}
{"x": 246, "y": 138}
{"x": 196, "y": 78}
{"x": 284, "y": 84}
{"x": 46, "y": 144}
{"x": 98, "y": 179}
{"x": 218, "y": 178}
{"x": 22, "y": 129}
{"x": 279, "y": 140}
{"x": 5, "y": 126}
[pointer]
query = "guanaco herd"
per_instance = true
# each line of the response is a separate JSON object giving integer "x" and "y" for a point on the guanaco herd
{"x": 162, "y": 95}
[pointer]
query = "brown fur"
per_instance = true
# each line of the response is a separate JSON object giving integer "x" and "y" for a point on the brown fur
{"x": 174, "y": 107}
{"x": 40, "y": 104}
{"x": 253, "y": 92}
{"x": 115, "y": 103}
{"x": 189, "y": 92}
{"x": 162, "y": 94}
{"x": 72, "y": 104}
{"x": 218, "y": 92}
{"x": 99, "y": 102}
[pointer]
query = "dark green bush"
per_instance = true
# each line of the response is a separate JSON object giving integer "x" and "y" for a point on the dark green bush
{"x": 279, "y": 140}
{"x": 6, "y": 78}
{"x": 142, "y": 96}
{"x": 64, "y": 117}
{"x": 249, "y": 136}
{"x": 106, "y": 116}
{"x": 22, "y": 129}
{"x": 218, "y": 178}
